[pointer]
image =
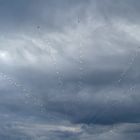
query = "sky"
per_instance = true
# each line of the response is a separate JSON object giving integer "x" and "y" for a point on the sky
{"x": 69, "y": 70}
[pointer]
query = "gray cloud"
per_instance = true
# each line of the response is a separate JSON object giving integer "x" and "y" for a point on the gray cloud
{"x": 69, "y": 69}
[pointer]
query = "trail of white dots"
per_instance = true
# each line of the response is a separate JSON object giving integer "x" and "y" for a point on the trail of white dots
{"x": 49, "y": 48}
{"x": 122, "y": 76}
{"x": 81, "y": 60}
{"x": 27, "y": 93}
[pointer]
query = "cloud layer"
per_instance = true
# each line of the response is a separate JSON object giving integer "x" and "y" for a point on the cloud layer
{"x": 69, "y": 70}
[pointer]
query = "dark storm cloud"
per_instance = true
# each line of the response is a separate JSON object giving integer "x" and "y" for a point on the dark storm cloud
{"x": 69, "y": 69}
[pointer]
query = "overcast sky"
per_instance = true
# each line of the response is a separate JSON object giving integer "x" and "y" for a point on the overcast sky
{"x": 69, "y": 69}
